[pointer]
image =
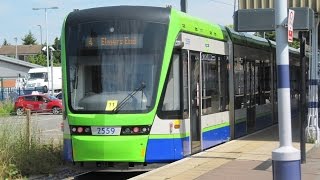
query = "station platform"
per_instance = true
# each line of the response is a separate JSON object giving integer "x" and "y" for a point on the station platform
{"x": 247, "y": 158}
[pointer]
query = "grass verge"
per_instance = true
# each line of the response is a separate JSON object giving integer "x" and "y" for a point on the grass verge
{"x": 6, "y": 108}
{"x": 21, "y": 156}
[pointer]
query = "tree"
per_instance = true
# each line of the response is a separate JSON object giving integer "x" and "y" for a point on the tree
{"x": 272, "y": 36}
{"x": 40, "y": 59}
{"x": 57, "y": 44}
{"x": 5, "y": 43}
{"x": 268, "y": 35}
{"x": 57, "y": 53}
{"x": 295, "y": 43}
{"x": 230, "y": 26}
{"x": 29, "y": 39}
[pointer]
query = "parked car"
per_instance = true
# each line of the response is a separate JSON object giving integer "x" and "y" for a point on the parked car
{"x": 38, "y": 103}
{"x": 59, "y": 95}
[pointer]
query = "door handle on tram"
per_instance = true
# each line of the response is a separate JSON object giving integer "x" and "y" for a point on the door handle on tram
{"x": 170, "y": 127}
{"x": 198, "y": 94}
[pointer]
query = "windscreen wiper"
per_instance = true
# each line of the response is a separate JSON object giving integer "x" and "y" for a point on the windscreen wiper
{"x": 129, "y": 96}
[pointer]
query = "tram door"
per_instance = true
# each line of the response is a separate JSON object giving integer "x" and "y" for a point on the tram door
{"x": 251, "y": 90}
{"x": 195, "y": 104}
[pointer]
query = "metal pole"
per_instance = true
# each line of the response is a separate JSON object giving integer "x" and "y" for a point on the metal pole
{"x": 28, "y": 128}
{"x": 183, "y": 4}
{"x": 16, "y": 39}
{"x": 303, "y": 122}
{"x": 2, "y": 89}
{"x": 40, "y": 34}
{"x": 47, "y": 45}
{"x": 19, "y": 84}
{"x": 51, "y": 72}
{"x": 285, "y": 159}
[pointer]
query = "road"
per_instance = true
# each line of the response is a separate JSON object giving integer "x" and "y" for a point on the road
{"x": 45, "y": 124}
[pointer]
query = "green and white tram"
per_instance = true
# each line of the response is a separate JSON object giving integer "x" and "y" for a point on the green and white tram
{"x": 151, "y": 84}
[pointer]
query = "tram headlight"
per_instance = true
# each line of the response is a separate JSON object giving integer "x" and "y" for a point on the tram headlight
{"x": 87, "y": 129}
{"x": 127, "y": 130}
{"x": 135, "y": 130}
{"x": 80, "y": 130}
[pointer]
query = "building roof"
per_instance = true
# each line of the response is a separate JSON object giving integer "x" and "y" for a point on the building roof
{"x": 21, "y": 49}
{"x": 19, "y": 62}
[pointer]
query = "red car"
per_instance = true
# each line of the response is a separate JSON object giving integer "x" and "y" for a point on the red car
{"x": 38, "y": 103}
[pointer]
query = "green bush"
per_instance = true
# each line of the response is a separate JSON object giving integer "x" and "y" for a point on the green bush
{"x": 6, "y": 108}
{"x": 20, "y": 157}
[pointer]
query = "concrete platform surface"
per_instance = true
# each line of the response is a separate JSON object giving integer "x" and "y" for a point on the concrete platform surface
{"x": 247, "y": 158}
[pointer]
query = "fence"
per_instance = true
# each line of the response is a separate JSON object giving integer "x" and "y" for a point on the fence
{"x": 8, "y": 87}
{"x": 10, "y": 93}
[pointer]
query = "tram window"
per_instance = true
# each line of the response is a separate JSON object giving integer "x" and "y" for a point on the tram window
{"x": 171, "y": 99}
{"x": 214, "y": 83}
{"x": 263, "y": 82}
{"x": 185, "y": 84}
{"x": 294, "y": 87}
{"x": 224, "y": 83}
{"x": 170, "y": 106}
{"x": 210, "y": 84}
{"x": 239, "y": 83}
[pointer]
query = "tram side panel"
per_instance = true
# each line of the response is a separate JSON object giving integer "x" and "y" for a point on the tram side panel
{"x": 252, "y": 94}
{"x": 178, "y": 137}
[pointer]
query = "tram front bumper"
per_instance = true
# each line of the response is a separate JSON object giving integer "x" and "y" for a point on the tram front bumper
{"x": 109, "y": 148}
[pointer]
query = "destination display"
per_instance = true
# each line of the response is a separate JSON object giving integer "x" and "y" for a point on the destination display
{"x": 115, "y": 41}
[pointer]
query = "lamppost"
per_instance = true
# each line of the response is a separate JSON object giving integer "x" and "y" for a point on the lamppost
{"x": 40, "y": 33}
{"x": 52, "y": 50}
{"x": 16, "y": 39}
{"x": 47, "y": 43}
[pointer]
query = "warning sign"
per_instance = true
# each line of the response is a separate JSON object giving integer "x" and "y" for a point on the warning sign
{"x": 290, "y": 25}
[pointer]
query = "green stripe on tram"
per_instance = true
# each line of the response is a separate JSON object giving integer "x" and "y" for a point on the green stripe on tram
{"x": 168, "y": 136}
{"x": 216, "y": 127}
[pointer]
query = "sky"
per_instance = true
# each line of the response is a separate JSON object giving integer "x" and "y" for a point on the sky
{"x": 17, "y": 17}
